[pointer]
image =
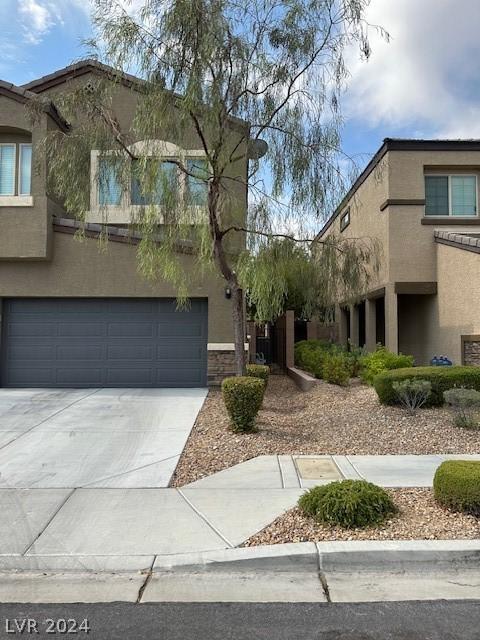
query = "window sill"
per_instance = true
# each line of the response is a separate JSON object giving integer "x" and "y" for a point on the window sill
{"x": 16, "y": 201}
{"x": 450, "y": 220}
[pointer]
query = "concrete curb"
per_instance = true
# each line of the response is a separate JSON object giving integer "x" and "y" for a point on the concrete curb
{"x": 299, "y": 557}
{"x": 328, "y": 556}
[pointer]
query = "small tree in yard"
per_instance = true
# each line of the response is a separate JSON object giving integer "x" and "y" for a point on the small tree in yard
{"x": 277, "y": 66}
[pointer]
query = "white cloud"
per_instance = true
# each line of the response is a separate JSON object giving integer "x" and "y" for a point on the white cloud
{"x": 36, "y": 19}
{"x": 426, "y": 77}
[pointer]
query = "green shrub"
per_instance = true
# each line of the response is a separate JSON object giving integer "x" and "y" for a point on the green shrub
{"x": 465, "y": 404}
{"x": 336, "y": 369}
{"x": 348, "y": 503}
{"x": 412, "y": 394}
{"x": 441, "y": 379}
{"x": 355, "y": 356}
{"x": 382, "y": 360}
{"x": 456, "y": 485}
{"x": 310, "y": 354}
{"x": 243, "y": 397}
{"x": 261, "y": 371}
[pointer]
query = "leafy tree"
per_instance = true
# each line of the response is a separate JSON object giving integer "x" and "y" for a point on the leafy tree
{"x": 274, "y": 68}
{"x": 305, "y": 277}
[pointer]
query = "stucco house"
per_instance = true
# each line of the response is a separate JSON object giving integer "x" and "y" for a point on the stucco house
{"x": 420, "y": 200}
{"x": 75, "y": 316}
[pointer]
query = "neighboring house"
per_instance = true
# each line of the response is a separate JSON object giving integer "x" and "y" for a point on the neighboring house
{"x": 420, "y": 199}
{"x": 75, "y": 316}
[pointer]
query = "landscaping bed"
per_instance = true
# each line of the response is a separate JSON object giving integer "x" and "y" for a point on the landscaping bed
{"x": 419, "y": 518}
{"x": 325, "y": 420}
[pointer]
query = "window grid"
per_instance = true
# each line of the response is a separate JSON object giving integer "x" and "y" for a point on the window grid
{"x": 450, "y": 195}
{"x": 8, "y": 160}
{"x": 25, "y": 170}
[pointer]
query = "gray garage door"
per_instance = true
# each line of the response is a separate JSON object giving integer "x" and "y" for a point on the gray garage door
{"x": 103, "y": 343}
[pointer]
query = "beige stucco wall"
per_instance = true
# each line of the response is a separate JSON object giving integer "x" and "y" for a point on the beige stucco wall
{"x": 83, "y": 269}
{"x": 125, "y": 103}
{"x": 366, "y": 219}
{"x": 74, "y": 269}
{"x": 412, "y": 253}
{"x": 24, "y": 231}
{"x": 433, "y": 325}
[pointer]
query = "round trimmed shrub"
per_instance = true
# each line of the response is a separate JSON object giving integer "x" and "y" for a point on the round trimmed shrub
{"x": 243, "y": 397}
{"x": 348, "y": 504}
{"x": 261, "y": 371}
{"x": 456, "y": 485}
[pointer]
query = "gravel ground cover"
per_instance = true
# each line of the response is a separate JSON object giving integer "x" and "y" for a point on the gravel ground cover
{"x": 325, "y": 420}
{"x": 419, "y": 518}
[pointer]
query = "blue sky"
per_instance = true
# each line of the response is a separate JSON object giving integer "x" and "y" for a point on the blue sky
{"x": 423, "y": 83}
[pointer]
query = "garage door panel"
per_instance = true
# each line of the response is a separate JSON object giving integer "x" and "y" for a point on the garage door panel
{"x": 131, "y": 329}
{"x": 80, "y": 352}
{"x": 179, "y": 329}
{"x": 31, "y": 377}
{"x": 29, "y": 353}
{"x": 96, "y": 343}
{"x": 32, "y": 328}
{"x": 79, "y": 376}
{"x": 131, "y": 352}
{"x": 81, "y": 329}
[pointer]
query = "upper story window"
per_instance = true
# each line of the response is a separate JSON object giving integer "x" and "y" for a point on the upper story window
{"x": 163, "y": 177}
{"x": 345, "y": 220}
{"x": 197, "y": 188}
{"x": 109, "y": 182}
{"x": 450, "y": 195}
{"x": 153, "y": 179}
{"x": 15, "y": 169}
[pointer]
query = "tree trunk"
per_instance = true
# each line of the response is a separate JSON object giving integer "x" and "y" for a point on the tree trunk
{"x": 230, "y": 277}
{"x": 238, "y": 317}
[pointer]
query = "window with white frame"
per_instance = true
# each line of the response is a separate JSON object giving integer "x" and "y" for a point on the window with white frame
{"x": 15, "y": 169}
{"x": 154, "y": 185}
{"x": 450, "y": 195}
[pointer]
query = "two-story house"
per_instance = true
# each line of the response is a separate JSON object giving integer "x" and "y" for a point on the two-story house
{"x": 420, "y": 200}
{"x": 76, "y": 316}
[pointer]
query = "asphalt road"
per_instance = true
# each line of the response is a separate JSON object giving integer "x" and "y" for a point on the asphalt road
{"x": 439, "y": 620}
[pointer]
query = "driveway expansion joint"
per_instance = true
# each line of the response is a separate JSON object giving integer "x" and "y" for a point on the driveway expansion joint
{"x": 205, "y": 519}
{"x": 42, "y": 531}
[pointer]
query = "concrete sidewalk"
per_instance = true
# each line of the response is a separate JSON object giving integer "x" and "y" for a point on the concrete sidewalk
{"x": 305, "y": 471}
{"x": 121, "y": 528}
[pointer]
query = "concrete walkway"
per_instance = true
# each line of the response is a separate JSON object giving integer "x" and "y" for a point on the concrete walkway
{"x": 293, "y": 472}
{"x": 122, "y": 529}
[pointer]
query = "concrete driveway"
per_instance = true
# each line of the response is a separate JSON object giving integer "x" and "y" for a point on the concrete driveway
{"x": 116, "y": 438}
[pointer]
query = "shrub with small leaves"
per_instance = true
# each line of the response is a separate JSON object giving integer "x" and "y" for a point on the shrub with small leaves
{"x": 412, "y": 394}
{"x": 243, "y": 397}
{"x": 261, "y": 371}
{"x": 456, "y": 485}
{"x": 310, "y": 354}
{"x": 336, "y": 369}
{"x": 348, "y": 504}
{"x": 382, "y": 360}
{"x": 465, "y": 404}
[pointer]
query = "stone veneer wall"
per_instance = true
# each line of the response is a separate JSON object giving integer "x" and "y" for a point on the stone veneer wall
{"x": 471, "y": 352}
{"x": 221, "y": 364}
